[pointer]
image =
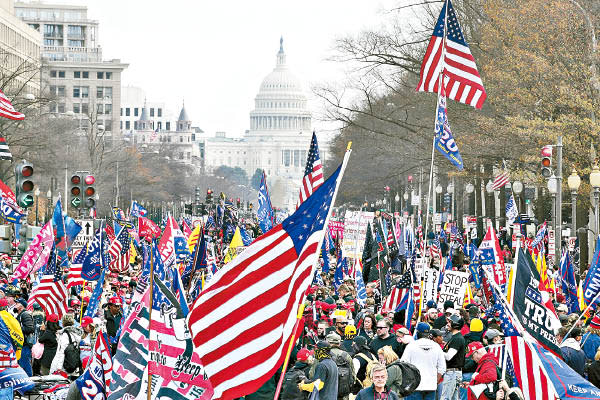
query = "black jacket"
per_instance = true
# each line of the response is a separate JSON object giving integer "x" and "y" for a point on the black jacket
{"x": 594, "y": 374}
{"x": 112, "y": 326}
{"x": 48, "y": 339}
{"x": 327, "y": 372}
{"x": 26, "y": 321}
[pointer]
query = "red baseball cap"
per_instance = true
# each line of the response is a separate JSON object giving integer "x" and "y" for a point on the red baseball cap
{"x": 115, "y": 300}
{"x": 86, "y": 299}
{"x": 303, "y": 354}
{"x": 3, "y": 302}
{"x": 52, "y": 318}
{"x": 473, "y": 347}
{"x": 86, "y": 321}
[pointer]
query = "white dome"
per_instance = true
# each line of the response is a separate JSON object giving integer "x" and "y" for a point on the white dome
{"x": 281, "y": 79}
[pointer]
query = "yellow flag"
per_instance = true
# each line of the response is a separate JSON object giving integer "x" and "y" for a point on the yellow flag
{"x": 582, "y": 305}
{"x": 468, "y": 295}
{"x": 236, "y": 241}
{"x": 14, "y": 328}
{"x": 193, "y": 239}
{"x": 132, "y": 254}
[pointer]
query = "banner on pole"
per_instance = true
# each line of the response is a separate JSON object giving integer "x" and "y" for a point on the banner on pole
{"x": 431, "y": 277}
{"x": 454, "y": 287}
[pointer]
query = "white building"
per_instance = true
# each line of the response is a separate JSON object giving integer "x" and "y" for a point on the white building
{"x": 278, "y": 139}
{"x": 133, "y": 100}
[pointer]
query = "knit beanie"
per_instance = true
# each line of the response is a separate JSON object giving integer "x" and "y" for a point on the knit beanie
{"x": 476, "y": 325}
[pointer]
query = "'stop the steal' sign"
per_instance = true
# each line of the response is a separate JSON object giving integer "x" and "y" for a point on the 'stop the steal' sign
{"x": 454, "y": 287}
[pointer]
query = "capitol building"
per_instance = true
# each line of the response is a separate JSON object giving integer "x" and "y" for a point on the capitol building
{"x": 278, "y": 139}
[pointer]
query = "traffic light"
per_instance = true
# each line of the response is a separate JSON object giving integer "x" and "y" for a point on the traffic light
{"x": 239, "y": 203}
{"x": 24, "y": 178}
{"x": 188, "y": 209}
{"x": 89, "y": 191}
{"x": 76, "y": 189}
{"x": 251, "y": 206}
{"x": 197, "y": 198}
{"x": 547, "y": 161}
{"x": 209, "y": 196}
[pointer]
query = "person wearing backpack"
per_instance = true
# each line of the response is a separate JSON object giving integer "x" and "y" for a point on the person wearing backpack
{"x": 326, "y": 374}
{"x": 363, "y": 361}
{"x": 67, "y": 353}
{"x": 343, "y": 360}
{"x": 298, "y": 373}
{"x": 427, "y": 356}
{"x": 487, "y": 372}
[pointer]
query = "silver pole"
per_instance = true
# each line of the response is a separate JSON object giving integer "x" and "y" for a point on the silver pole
{"x": 558, "y": 231}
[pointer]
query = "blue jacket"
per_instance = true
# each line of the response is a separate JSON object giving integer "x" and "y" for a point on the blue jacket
{"x": 369, "y": 394}
{"x": 573, "y": 355}
{"x": 590, "y": 347}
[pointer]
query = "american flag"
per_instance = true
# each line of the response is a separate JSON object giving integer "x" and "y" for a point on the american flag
{"x": 500, "y": 180}
{"x": 398, "y": 292}
{"x": 538, "y": 241}
{"x": 434, "y": 249}
{"x": 462, "y": 82}
{"x": 7, "y": 110}
{"x": 313, "y": 173}
{"x": 120, "y": 252}
{"x": 51, "y": 293}
{"x": 74, "y": 277}
{"x": 5, "y": 153}
{"x": 243, "y": 319}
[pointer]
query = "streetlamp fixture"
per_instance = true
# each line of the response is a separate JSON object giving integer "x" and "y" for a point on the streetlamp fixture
{"x": 48, "y": 204}
{"x": 438, "y": 190}
{"x": 491, "y": 208}
{"x": 574, "y": 181}
{"x": 595, "y": 182}
{"x": 450, "y": 190}
{"x": 469, "y": 188}
{"x": 517, "y": 188}
{"x": 397, "y": 199}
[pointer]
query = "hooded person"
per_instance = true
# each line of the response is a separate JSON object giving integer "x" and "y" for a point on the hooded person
{"x": 349, "y": 335}
{"x": 326, "y": 374}
{"x": 362, "y": 358}
{"x": 571, "y": 350}
{"x": 342, "y": 359}
{"x": 475, "y": 331}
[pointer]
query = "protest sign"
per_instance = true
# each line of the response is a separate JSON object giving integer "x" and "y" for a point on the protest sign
{"x": 430, "y": 282}
{"x": 355, "y": 231}
{"x": 454, "y": 286}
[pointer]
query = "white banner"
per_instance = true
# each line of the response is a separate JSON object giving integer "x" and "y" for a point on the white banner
{"x": 431, "y": 277}
{"x": 355, "y": 231}
{"x": 454, "y": 287}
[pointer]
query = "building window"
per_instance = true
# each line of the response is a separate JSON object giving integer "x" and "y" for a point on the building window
{"x": 75, "y": 43}
{"x": 187, "y": 155}
{"x": 169, "y": 139}
{"x": 168, "y": 125}
{"x": 104, "y": 92}
{"x": 135, "y": 112}
{"x": 159, "y": 112}
{"x": 127, "y": 112}
{"x": 159, "y": 125}
{"x": 152, "y": 112}
{"x": 84, "y": 108}
{"x": 61, "y": 74}
{"x": 77, "y": 74}
{"x": 297, "y": 158}
{"x": 180, "y": 139}
{"x": 76, "y": 108}
{"x": 127, "y": 125}
{"x": 121, "y": 125}
{"x": 61, "y": 108}
{"x": 53, "y": 74}
{"x": 193, "y": 137}
{"x": 108, "y": 75}
{"x": 76, "y": 91}
{"x": 108, "y": 109}
{"x": 85, "y": 74}
{"x": 85, "y": 92}
{"x": 286, "y": 157}
{"x": 121, "y": 111}
{"x": 100, "y": 75}
{"x": 108, "y": 125}
{"x": 135, "y": 125}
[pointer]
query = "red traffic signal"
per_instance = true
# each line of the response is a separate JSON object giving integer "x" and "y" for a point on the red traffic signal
{"x": 546, "y": 161}
{"x": 89, "y": 180}
{"x": 75, "y": 179}
{"x": 27, "y": 171}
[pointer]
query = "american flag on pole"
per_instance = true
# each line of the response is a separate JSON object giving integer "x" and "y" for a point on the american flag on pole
{"x": 434, "y": 250}
{"x": 74, "y": 277}
{"x": 243, "y": 319}
{"x": 51, "y": 293}
{"x": 313, "y": 173}
{"x": 500, "y": 180}
{"x": 5, "y": 153}
{"x": 398, "y": 292}
{"x": 461, "y": 79}
{"x": 7, "y": 110}
{"x": 119, "y": 251}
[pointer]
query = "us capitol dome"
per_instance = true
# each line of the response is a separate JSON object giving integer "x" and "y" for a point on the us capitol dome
{"x": 278, "y": 139}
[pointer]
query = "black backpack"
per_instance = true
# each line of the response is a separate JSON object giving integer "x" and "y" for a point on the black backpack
{"x": 72, "y": 360}
{"x": 411, "y": 378}
{"x": 345, "y": 378}
{"x": 290, "y": 390}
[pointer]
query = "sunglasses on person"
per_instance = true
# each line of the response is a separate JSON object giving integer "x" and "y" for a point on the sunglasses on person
{"x": 382, "y": 327}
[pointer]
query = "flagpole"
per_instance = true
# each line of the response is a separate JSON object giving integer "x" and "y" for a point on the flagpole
{"x": 289, "y": 350}
{"x": 440, "y": 83}
{"x": 151, "y": 281}
{"x": 81, "y": 308}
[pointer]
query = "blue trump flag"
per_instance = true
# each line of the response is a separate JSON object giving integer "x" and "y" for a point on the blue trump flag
{"x": 9, "y": 213}
{"x": 246, "y": 239}
{"x": 568, "y": 283}
{"x": 137, "y": 210}
{"x": 591, "y": 284}
{"x": 361, "y": 290}
{"x": 264, "y": 213}
{"x": 58, "y": 222}
{"x": 444, "y": 141}
{"x": 325, "y": 256}
{"x": 95, "y": 258}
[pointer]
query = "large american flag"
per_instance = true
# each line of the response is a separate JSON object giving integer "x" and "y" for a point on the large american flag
{"x": 500, "y": 180}
{"x": 313, "y": 173}
{"x": 51, "y": 293}
{"x": 5, "y": 153}
{"x": 434, "y": 250}
{"x": 462, "y": 82}
{"x": 74, "y": 277}
{"x": 119, "y": 251}
{"x": 398, "y": 292}
{"x": 7, "y": 110}
{"x": 243, "y": 319}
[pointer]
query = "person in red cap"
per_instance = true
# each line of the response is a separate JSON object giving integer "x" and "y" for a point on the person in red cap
{"x": 591, "y": 339}
{"x": 486, "y": 373}
{"x": 113, "y": 316}
{"x": 88, "y": 339}
{"x": 298, "y": 373}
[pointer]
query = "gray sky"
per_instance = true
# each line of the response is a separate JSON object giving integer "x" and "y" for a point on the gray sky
{"x": 216, "y": 53}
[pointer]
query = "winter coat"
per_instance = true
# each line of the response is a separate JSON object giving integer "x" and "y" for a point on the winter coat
{"x": 591, "y": 342}
{"x": 369, "y": 394}
{"x": 594, "y": 374}
{"x": 48, "y": 339}
{"x": 27, "y": 326}
{"x": 112, "y": 322}
{"x": 573, "y": 355}
{"x": 394, "y": 379}
{"x": 63, "y": 341}
{"x": 473, "y": 337}
{"x": 486, "y": 373}
{"x": 428, "y": 357}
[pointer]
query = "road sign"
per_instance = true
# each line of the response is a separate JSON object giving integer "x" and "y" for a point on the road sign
{"x": 86, "y": 234}
{"x": 76, "y": 202}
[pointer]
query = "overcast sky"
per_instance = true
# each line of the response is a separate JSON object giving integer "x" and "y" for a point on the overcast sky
{"x": 216, "y": 53}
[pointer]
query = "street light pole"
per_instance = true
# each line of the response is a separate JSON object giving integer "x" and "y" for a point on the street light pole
{"x": 574, "y": 181}
{"x": 553, "y": 189}
{"x": 558, "y": 232}
{"x": 595, "y": 183}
